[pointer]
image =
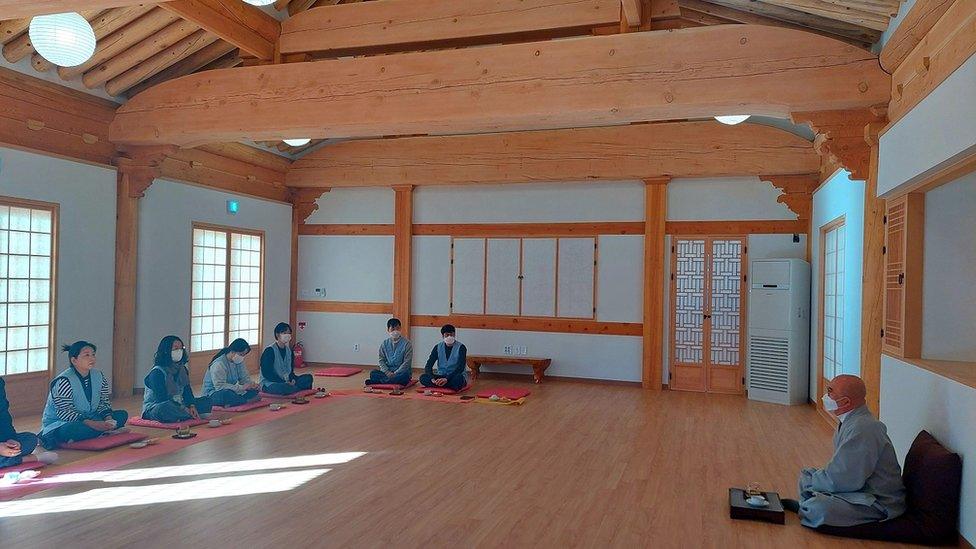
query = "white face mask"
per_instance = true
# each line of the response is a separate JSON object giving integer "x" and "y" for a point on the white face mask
{"x": 829, "y": 404}
{"x": 395, "y": 334}
{"x": 284, "y": 338}
{"x": 176, "y": 355}
{"x": 449, "y": 340}
{"x": 237, "y": 359}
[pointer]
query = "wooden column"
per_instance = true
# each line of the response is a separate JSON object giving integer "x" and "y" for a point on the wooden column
{"x": 655, "y": 216}
{"x": 402, "y": 253}
{"x": 136, "y": 172}
{"x": 872, "y": 277}
{"x": 304, "y": 202}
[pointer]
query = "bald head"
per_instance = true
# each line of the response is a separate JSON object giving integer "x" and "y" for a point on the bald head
{"x": 848, "y": 391}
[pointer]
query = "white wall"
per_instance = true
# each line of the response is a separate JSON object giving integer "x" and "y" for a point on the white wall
{"x": 839, "y": 196}
{"x": 913, "y": 399}
{"x": 167, "y": 213}
{"x": 949, "y": 272}
{"x": 346, "y": 268}
{"x": 86, "y": 243}
{"x": 354, "y": 205}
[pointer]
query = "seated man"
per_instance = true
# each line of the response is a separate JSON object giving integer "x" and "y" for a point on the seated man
{"x": 451, "y": 358}
{"x": 862, "y": 482}
{"x": 396, "y": 356}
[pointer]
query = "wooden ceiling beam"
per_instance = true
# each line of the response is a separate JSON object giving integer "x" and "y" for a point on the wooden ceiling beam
{"x": 640, "y": 151}
{"x": 810, "y": 21}
{"x": 241, "y": 24}
{"x": 845, "y": 13}
{"x": 159, "y": 61}
{"x": 188, "y": 65}
{"x": 631, "y": 11}
{"x": 592, "y": 81}
{"x": 138, "y": 53}
{"x": 421, "y": 24}
{"x": 16, "y": 9}
{"x": 914, "y": 26}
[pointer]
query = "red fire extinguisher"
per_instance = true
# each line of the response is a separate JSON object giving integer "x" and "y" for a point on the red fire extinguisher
{"x": 297, "y": 352}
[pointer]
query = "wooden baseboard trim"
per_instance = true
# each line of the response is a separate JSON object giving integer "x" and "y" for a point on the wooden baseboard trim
{"x": 344, "y": 307}
{"x": 522, "y": 324}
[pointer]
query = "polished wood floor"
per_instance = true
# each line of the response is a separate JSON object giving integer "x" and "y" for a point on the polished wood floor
{"x": 577, "y": 465}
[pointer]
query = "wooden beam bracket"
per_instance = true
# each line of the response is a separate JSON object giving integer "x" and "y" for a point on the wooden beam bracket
{"x": 797, "y": 192}
{"x": 840, "y": 136}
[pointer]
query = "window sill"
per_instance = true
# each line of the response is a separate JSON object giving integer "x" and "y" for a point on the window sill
{"x": 958, "y": 371}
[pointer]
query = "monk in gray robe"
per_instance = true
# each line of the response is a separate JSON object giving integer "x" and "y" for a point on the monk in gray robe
{"x": 862, "y": 482}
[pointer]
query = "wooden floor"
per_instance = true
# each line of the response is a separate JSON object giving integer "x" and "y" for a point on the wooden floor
{"x": 577, "y": 465}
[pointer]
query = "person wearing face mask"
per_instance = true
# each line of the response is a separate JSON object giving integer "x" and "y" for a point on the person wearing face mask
{"x": 278, "y": 366}
{"x": 227, "y": 381}
{"x": 169, "y": 397}
{"x": 396, "y": 357}
{"x": 450, "y": 355}
{"x": 78, "y": 405}
{"x": 862, "y": 481}
{"x": 17, "y": 448}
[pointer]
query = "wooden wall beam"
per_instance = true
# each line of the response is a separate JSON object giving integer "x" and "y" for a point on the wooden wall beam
{"x": 655, "y": 214}
{"x": 241, "y": 24}
{"x": 561, "y": 325}
{"x": 598, "y": 80}
{"x": 872, "y": 276}
{"x": 686, "y": 149}
{"x": 499, "y": 230}
{"x": 917, "y": 23}
{"x": 421, "y": 24}
{"x": 754, "y": 226}
{"x": 631, "y": 10}
{"x": 402, "y": 254}
{"x": 346, "y": 307}
{"x": 350, "y": 229}
{"x": 16, "y": 9}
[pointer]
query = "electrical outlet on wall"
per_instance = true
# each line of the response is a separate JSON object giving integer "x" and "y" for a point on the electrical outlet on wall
{"x": 355, "y": 347}
{"x": 523, "y": 350}
{"x": 507, "y": 350}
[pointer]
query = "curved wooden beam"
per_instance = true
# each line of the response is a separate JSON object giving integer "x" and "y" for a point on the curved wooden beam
{"x": 679, "y": 149}
{"x": 591, "y": 81}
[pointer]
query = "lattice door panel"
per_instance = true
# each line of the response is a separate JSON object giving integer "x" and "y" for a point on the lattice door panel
{"x": 725, "y": 315}
{"x": 688, "y": 270}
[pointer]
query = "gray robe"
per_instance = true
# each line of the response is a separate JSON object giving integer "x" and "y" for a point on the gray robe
{"x": 861, "y": 483}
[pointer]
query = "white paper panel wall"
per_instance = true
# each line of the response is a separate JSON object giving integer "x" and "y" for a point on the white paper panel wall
{"x": 469, "y": 276}
{"x": 539, "y": 277}
{"x": 503, "y": 271}
{"x": 575, "y": 278}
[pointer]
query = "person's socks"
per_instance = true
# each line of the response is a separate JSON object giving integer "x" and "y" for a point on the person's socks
{"x": 47, "y": 457}
{"x": 791, "y": 505}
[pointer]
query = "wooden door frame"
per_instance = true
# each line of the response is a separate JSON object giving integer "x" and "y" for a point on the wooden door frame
{"x": 743, "y": 312}
{"x": 838, "y": 221}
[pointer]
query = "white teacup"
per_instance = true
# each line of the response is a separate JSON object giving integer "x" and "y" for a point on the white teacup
{"x": 214, "y": 423}
{"x": 275, "y": 407}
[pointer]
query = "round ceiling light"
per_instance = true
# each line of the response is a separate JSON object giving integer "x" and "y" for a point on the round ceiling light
{"x": 65, "y": 39}
{"x": 732, "y": 119}
{"x": 259, "y": 2}
{"x": 297, "y": 142}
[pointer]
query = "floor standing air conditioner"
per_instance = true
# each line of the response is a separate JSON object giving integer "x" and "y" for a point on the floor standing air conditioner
{"x": 779, "y": 331}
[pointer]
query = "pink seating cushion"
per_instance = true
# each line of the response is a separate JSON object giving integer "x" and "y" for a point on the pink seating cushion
{"x": 105, "y": 442}
{"x": 160, "y": 425}
{"x": 22, "y": 467}
{"x": 444, "y": 390}
{"x": 392, "y": 386}
{"x": 338, "y": 371}
{"x": 305, "y": 393}
{"x": 512, "y": 393}
{"x": 241, "y": 408}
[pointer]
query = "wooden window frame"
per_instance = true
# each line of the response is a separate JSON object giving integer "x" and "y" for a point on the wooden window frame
{"x": 904, "y": 277}
{"x": 199, "y": 360}
{"x": 55, "y": 210}
{"x": 521, "y": 239}
{"x": 821, "y": 276}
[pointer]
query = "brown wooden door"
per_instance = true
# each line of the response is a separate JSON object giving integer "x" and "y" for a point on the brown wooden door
{"x": 707, "y": 308}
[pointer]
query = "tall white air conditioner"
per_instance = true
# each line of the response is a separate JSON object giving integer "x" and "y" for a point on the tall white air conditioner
{"x": 779, "y": 331}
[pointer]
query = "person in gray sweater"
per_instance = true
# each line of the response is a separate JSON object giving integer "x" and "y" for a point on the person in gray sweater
{"x": 395, "y": 359}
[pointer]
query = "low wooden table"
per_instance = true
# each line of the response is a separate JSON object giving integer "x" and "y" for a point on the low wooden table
{"x": 538, "y": 365}
{"x": 739, "y": 509}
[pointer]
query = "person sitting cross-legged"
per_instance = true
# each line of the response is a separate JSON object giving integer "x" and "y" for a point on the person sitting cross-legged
{"x": 169, "y": 397}
{"x": 227, "y": 381}
{"x": 17, "y": 448}
{"x": 278, "y": 366}
{"x": 396, "y": 356}
{"x": 862, "y": 482}
{"x": 450, "y": 355}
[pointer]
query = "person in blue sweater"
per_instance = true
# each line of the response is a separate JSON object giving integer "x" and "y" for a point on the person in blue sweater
{"x": 78, "y": 401}
{"x": 227, "y": 381}
{"x": 278, "y": 366}
{"x": 396, "y": 357}
{"x": 169, "y": 397}
{"x": 17, "y": 448}
{"x": 450, "y": 355}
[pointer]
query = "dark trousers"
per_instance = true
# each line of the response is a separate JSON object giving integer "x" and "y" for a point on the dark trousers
{"x": 378, "y": 377}
{"x": 455, "y": 381}
{"x": 228, "y": 398}
{"x": 171, "y": 412}
{"x": 302, "y": 383}
{"x": 28, "y": 441}
{"x": 75, "y": 431}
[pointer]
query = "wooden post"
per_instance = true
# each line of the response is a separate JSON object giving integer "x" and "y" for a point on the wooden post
{"x": 655, "y": 216}
{"x": 136, "y": 172}
{"x": 304, "y": 203}
{"x": 402, "y": 254}
{"x": 872, "y": 277}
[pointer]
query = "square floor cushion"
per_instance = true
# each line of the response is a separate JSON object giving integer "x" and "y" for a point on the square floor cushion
{"x": 242, "y": 407}
{"x": 160, "y": 425}
{"x": 392, "y": 386}
{"x": 305, "y": 393}
{"x": 933, "y": 481}
{"x": 444, "y": 390}
{"x": 104, "y": 442}
{"x": 338, "y": 371}
{"x": 511, "y": 393}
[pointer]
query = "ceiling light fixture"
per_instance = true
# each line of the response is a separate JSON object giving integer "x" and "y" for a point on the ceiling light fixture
{"x": 732, "y": 119}
{"x": 259, "y": 2}
{"x": 297, "y": 142}
{"x": 65, "y": 39}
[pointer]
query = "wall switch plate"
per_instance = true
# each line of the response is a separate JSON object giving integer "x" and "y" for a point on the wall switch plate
{"x": 508, "y": 350}
{"x": 523, "y": 350}
{"x": 355, "y": 347}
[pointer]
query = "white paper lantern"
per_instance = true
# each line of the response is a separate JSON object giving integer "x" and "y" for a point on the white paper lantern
{"x": 65, "y": 39}
{"x": 297, "y": 142}
{"x": 259, "y": 2}
{"x": 732, "y": 119}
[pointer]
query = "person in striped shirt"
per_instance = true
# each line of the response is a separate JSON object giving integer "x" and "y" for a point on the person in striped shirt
{"x": 78, "y": 402}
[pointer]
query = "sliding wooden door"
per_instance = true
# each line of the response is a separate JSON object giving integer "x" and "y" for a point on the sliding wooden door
{"x": 708, "y": 286}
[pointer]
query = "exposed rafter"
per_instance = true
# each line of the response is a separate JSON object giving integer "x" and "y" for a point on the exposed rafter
{"x": 15, "y": 9}
{"x": 241, "y": 24}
